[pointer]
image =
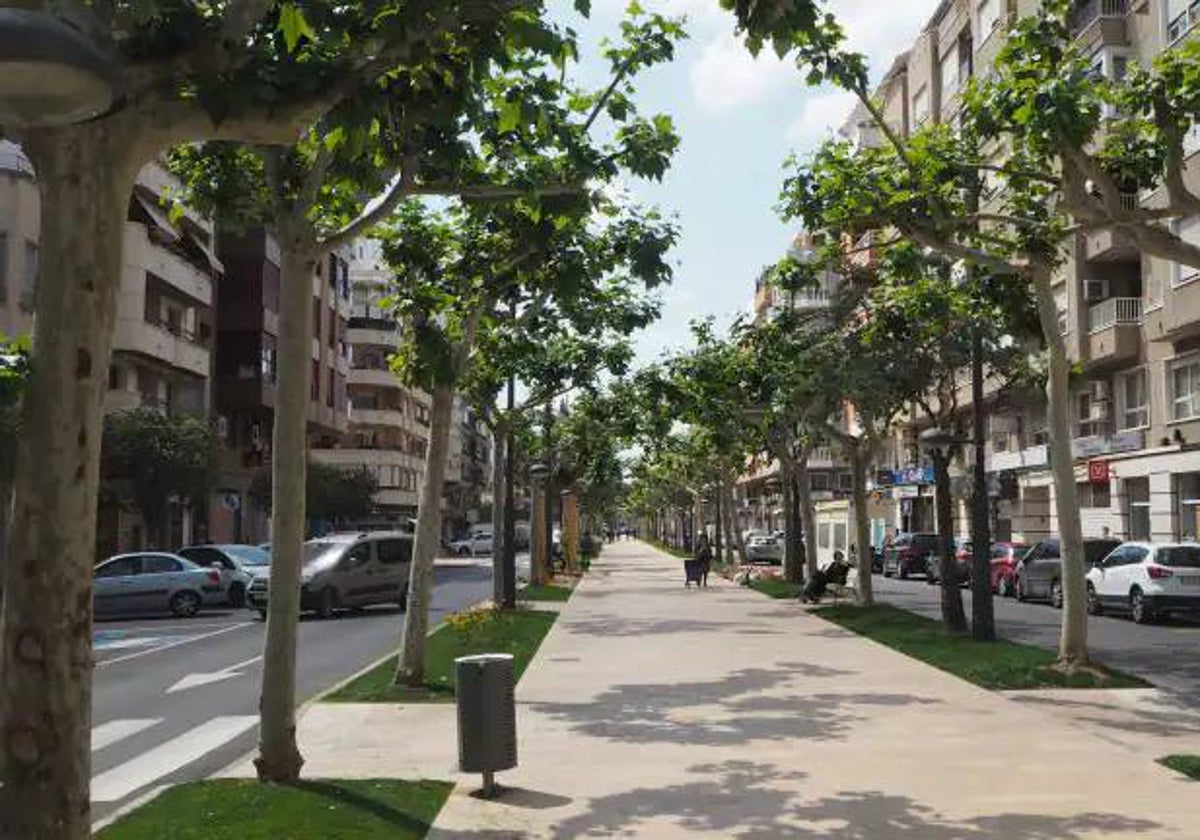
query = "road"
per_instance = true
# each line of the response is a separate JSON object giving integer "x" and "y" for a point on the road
{"x": 178, "y": 700}
{"x": 1166, "y": 654}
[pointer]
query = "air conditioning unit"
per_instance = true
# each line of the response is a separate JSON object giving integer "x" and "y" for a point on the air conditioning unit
{"x": 1095, "y": 290}
{"x": 1099, "y": 390}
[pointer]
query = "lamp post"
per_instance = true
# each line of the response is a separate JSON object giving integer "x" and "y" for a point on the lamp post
{"x": 538, "y": 472}
{"x": 52, "y": 72}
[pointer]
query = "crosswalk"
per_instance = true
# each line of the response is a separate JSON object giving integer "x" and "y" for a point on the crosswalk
{"x": 122, "y": 780}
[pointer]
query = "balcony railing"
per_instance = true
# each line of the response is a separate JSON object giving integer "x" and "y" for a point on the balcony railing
{"x": 1115, "y": 312}
{"x": 1090, "y": 11}
{"x": 1184, "y": 22}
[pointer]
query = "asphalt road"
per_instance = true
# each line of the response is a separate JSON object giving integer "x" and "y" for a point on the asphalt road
{"x": 1166, "y": 654}
{"x": 178, "y": 700}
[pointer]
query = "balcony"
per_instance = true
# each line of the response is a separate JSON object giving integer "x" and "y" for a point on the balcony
{"x": 1021, "y": 459}
{"x": 142, "y": 255}
{"x": 821, "y": 459}
{"x": 1107, "y": 245}
{"x": 373, "y": 376}
{"x": 1114, "y": 331}
{"x": 1100, "y": 21}
{"x": 372, "y": 336}
{"x": 1184, "y": 23}
{"x": 156, "y": 342}
{"x": 377, "y": 417}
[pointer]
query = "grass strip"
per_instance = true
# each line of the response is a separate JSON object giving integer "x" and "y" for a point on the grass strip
{"x": 775, "y": 587}
{"x": 546, "y": 592}
{"x": 1188, "y": 765}
{"x": 245, "y": 809}
{"x": 518, "y": 632}
{"x": 1001, "y": 665}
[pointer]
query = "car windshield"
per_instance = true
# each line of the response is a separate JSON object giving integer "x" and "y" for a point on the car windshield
{"x": 1186, "y": 556}
{"x": 1096, "y": 550}
{"x": 322, "y": 552}
{"x": 248, "y": 555}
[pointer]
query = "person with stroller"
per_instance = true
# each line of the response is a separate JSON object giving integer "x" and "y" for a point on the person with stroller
{"x": 696, "y": 570}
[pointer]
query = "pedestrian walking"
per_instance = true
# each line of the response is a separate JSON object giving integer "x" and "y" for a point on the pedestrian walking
{"x": 703, "y": 560}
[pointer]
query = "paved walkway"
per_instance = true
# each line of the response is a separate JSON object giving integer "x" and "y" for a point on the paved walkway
{"x": 659, "y": 712}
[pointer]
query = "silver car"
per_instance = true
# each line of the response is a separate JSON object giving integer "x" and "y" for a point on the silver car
{"x": 154, "y": 582}
{"x": 764, "y": 549}
{"x": 238, "y": 565}
{"x": 347, "y": 571}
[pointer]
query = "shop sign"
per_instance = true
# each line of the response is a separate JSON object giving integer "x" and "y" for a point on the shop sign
{"x": 1098, "y": 472}
{"x": 914, "y": 475}
{"x": 1090, "y": 447}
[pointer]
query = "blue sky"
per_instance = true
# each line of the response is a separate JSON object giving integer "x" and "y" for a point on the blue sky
{"x": 739, "y": 118}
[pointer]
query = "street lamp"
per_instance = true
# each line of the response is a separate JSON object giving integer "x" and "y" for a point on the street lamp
{"x": 51, "y": 73}
{"x": 538, "y": 559}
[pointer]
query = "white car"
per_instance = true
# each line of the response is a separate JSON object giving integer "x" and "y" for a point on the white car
{"x": 1146, "y": 580}
{"x": 478, "y": 542}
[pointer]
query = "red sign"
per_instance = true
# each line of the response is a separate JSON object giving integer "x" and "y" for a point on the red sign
{"x": 1098, "y": 472}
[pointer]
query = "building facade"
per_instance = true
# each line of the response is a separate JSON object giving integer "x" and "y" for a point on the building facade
{"x": 1131, "y": 321}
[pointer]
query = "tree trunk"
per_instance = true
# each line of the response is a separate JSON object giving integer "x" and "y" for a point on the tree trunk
{"x": 85, "y": 175}
{"x": 736, "y": 547}
{"x": 793, "y": 571}
{"x": 983, "y": 618}
{"x": 1072, "y": 651}
{"x": 697, "y": 520}
{"x": 279, "y": 758}
{"x": 719, "y": 533}
{"x": 808, "y": 514}
{"x": 499, "y": 443}
{"x": 953, "y": 615}
{"x": 859, "y": 457}
{"x": 539, "y": 524}
{"x": 411, "y": 670}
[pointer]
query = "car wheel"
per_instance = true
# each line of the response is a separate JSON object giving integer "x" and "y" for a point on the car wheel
{"x": 326, "y": 603}
{"x": 902, "y": 571}
{"x": 464, "y": 552}
{"x": 1056, "y": 594}
{"x": 185, "y": 604}
{"x": 1142, "y": 614}
{"x": 237, "y": 596}
{"x": 404, "y": 599}
{"x": 1093, "y": 601}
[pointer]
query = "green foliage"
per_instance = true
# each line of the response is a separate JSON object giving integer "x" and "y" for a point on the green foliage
{"x": 331, "y": 493}
{"x": 246, "y": 809}
{"x": 1188, "y": 765}
{"x": 149, "y": 458}
{"x": 1000, "y": 665}
{"x": 14, "y": 371}
{"x": 775, "y": 587}
{"x": 519, "y": 632}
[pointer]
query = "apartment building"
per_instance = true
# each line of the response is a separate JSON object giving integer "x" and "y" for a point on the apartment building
{"x": 1131, "y": 321}
{"x": 163, "y": 337}
{"x": 246, "y": 367}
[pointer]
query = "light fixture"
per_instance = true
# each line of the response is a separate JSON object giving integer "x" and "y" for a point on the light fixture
{"x": 51, "y": 73}
{"x": 538, "y": 471}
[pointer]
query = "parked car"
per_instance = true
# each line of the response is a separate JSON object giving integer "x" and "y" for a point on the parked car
{"x": 906, "y": 554}
{"x": 238, "y": 565}
{"x": 347, "y": 571}
{"x": 962, "y": 563}
{"x": 477, "y": 541}
{"x": 154, "y": 582}
{"x": 764, "y": 549}
{"x": 1005, "y": 558}
{"x": 1039, "y": 575}
{"x": 1146, "y": 580}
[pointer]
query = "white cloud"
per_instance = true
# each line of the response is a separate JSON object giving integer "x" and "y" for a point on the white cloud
{"x": 726, "y": 76}
{"x": 823, "y": 113}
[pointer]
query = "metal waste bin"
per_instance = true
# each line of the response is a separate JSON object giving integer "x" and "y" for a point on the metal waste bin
{"x": 487, "y": 715}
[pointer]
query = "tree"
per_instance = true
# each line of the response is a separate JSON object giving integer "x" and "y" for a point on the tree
{"x": 255, "y": 71}
{"x": 331, "y": 493}
{"x": 150, "y": 460}
{"x": 14, "y": 371}
{"x": 1033, "y": 164}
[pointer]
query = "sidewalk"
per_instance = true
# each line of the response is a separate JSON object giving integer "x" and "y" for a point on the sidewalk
{"x": 654, "y": 711}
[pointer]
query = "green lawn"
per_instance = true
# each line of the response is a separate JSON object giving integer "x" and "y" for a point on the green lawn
{"x": 1188, "y": 765}
{"x": 998, "y": 665}
{"x": 518, "y": 632}
{"x": 244, "y": 809}
{"x": 678, "y": 552}
{"x": 775, "y": 587}
{"x": 547, "y": 592}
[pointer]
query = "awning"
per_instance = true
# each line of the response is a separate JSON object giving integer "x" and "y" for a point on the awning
{"x": 162, "y": 224}
{"x": 204, "y": 248}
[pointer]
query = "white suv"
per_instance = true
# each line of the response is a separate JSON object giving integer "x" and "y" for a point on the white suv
{"x": 1147, "y": 580}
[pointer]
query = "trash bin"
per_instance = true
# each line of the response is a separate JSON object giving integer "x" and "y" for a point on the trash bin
{"x": 487, "y": 716}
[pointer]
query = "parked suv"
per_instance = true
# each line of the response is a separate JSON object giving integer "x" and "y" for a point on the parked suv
{"x": 347, "y": 571}
{"x": 906, "y": 554}
{"x": 1039, "y": 576}
{"x": 237, "y": 565}
{"x": 1147, "y": 580}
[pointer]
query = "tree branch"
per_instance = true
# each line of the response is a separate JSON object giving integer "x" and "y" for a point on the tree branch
{"x": 400, "y": 189}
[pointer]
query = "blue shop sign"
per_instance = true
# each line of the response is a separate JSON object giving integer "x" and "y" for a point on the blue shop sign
{"x": 914, "y": 475}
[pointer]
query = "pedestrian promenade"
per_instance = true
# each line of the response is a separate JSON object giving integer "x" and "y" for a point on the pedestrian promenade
{"x": 654, "y": 711}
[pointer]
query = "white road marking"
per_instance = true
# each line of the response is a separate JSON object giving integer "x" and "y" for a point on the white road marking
{"x": 107, "y": 734}
{"x": 125, "y": 644}
{"x": 184, "y": 641}
{"x": 119, "y": 782}
{"x": 197, "y": 680}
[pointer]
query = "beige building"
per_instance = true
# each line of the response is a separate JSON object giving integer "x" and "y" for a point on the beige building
{"x": 1132, "y": 322}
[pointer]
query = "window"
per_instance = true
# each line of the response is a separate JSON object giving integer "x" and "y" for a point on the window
{"x": 920, "y": 107}
{"x": 394, "y": 552}
{"x": 1183, "y": 385}
{"x": 329, "y": 393}
{"x": 1137, "y": 495}
{"x": 269, "y": 360}
{"x": 121, "y": 567}
{"x": 1189, "y": 232}
{"x": 29, "y": 277}
{"x": 1133, "y": 405}
{"x": 114, "y": 377}
{"x": 3, "y": 269}
{"x": 950, "y": 68}
{"x": 1187, "y": 488}
{"x": 989, "y": 17}
{"x": 823, "y": 535}
{"x": 332, "y": 271}
{"x": 1095, "y": 495}
{"x": 316, "y": 318}
{"x": 422, "y": 414}
{"x": 333, "y": 330}
{"x": 158, "y": 564}
{"x": 314, "y": 382}
{"x": 358, "y": 556}
{"x": 839, "y": 536}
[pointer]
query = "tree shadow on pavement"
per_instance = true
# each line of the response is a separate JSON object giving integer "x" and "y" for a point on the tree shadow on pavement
{"x": 749, "y": 705}
{"x": 1163, "y": 715}
{"x": 753, "y": 801}
{"x": 613, "y": 626}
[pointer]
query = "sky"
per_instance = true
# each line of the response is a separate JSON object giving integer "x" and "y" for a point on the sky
{"x": 739, "y": 119}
